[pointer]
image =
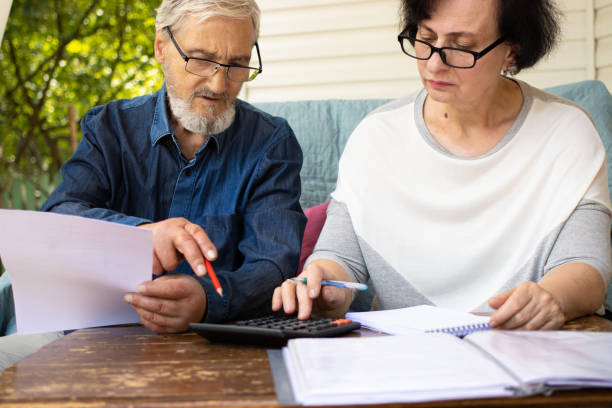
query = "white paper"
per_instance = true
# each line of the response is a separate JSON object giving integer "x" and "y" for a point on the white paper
{"x": 388, "y": 369}
{"x": 415, "y": 319}
{"x": 558, "y": 358}
{"x": 71, "y": 272}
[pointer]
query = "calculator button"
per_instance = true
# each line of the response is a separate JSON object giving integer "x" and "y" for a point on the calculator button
{"x": 340, "y": 322}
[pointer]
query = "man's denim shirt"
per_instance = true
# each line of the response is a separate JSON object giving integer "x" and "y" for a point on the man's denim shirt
{"x": 242, "y": 187}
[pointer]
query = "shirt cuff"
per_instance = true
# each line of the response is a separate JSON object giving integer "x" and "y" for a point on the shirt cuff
{"x": 133, "y": 221}
{"x": 217, "y": 306}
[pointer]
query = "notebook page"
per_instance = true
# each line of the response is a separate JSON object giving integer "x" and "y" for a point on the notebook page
{"x": 416, "y": 367}
{"x": 415, "y": 319}
{"x": 557, "y": 358}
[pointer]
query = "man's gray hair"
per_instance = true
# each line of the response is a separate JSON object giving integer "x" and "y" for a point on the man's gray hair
{"x": 172, "y": 12}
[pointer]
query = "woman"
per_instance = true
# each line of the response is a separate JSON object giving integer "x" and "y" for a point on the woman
{"x": 479, "y": 192}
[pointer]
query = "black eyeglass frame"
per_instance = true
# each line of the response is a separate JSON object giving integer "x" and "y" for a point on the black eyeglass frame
{"x": 219, "y": 64}
{"x": 433, "y": 49}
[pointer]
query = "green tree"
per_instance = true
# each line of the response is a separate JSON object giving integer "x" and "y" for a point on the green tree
{"x": 61, "y": 53}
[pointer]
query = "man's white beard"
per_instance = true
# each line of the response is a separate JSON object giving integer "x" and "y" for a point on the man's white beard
{"x": 200, "y": 124}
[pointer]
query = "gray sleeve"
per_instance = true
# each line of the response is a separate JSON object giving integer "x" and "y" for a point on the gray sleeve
{"x": 338, "y": 242}
{"x": 585, "y": 237}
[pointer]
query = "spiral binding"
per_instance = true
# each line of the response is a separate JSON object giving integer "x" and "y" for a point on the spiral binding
{"x": 461, "y": 331}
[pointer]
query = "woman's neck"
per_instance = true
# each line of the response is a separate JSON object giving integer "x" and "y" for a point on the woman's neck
{"x": 472, "y": 128}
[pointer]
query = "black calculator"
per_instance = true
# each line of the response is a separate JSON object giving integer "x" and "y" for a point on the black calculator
{"x": 274, "y": 330}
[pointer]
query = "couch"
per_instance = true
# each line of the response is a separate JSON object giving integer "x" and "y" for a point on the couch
{"x": 323, "y": 127}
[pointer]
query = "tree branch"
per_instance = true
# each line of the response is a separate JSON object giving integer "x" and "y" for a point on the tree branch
{"x": 51, "y": 72}
{"x": 121, "y": 18}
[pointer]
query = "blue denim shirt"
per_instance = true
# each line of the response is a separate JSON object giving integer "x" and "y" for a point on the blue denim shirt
{"x": 242, "y": 187}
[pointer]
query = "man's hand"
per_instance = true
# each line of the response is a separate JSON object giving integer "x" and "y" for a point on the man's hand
{"x": 177, "y": 239}
{"x": 527, "y": 307}
{"x": 169, "y": 303}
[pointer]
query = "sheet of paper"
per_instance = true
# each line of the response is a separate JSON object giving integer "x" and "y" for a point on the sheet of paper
{"x": 388, "y": 369}
{"x": 417, "y": 318}
{"x": 72, "y": 272}
{"x": 560, "y": 358}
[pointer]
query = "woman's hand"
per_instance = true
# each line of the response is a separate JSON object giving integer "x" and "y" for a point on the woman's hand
{"x": 566, "y": 292}
{"x": 527, "y": 307}
{"x": 311, "y": 298}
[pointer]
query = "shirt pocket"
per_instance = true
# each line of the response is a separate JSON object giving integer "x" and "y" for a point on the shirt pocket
{"x": 225, "y": 231}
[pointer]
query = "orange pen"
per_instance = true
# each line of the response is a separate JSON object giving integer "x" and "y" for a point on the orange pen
{"x": 213, "y": 277}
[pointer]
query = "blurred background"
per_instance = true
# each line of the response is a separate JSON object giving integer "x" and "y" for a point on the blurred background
{"x": 58, "y": 58}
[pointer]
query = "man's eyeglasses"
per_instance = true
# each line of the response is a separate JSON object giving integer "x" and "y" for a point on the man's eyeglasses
{"x": 206, "y": 68}
{"x": 453, "y": 57}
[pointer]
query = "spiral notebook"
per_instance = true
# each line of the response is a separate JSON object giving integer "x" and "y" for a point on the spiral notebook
{"x": 423, "y": 318}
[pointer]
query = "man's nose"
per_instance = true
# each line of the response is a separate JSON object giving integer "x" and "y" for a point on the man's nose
{"x": 218, "y": 82}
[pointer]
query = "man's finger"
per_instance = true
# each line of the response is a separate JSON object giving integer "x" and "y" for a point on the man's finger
{"x": 151, "y": 304}
{"x": 165, "y": 287}
{"x": 166, "y": 254}
{"x": 158, "y": 269}
{"x": 206, "y": 246}
{"x": 186, "y": 244}
{"x": 160, "y": 324}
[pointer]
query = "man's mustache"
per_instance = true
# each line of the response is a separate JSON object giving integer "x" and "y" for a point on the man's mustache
{"x": 208, "y": 94}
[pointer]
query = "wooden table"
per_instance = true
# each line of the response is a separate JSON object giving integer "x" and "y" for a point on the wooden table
{"x": 129, "y": 366}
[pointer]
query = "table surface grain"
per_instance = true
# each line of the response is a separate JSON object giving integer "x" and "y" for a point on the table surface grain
{"x": 130, "y": 366}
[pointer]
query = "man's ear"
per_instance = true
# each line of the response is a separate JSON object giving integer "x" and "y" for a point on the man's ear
{"x": 161, "y": 40}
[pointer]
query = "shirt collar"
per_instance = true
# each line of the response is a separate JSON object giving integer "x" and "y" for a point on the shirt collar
{"x": 161, "y": 126}
{"x": 161, "y": 122}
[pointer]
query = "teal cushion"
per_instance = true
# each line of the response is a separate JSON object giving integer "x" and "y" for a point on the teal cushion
{"x": 7, "y": 307}
{"x": 322, "y": 129}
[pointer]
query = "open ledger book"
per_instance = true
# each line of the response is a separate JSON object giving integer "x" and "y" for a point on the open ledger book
{"x": 436, "y": 366}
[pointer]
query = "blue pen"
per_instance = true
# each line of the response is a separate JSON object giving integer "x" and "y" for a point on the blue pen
{"x": 340, "y": 284}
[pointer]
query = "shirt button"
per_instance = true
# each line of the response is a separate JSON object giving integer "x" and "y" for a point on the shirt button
{"x": 188, "y": 172}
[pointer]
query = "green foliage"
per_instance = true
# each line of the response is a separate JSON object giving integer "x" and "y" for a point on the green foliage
{"x": 58, "y": 53}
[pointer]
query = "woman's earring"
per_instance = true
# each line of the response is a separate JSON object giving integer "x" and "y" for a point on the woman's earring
{"x": 510, "y": 70}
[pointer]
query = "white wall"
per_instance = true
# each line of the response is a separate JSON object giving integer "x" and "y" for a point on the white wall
{"x": 316, "y": 49}
{"x": 603, "y": 36}
{"x": 5, "y": 8}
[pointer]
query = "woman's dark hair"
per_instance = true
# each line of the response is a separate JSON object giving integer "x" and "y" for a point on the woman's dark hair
{"x": 533, "y": 25}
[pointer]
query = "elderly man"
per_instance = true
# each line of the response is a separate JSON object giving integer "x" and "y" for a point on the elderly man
{"x": 210, "y": 175}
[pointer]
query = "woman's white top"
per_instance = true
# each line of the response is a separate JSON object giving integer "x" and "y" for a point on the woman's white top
{"x": 431, "y": 227}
